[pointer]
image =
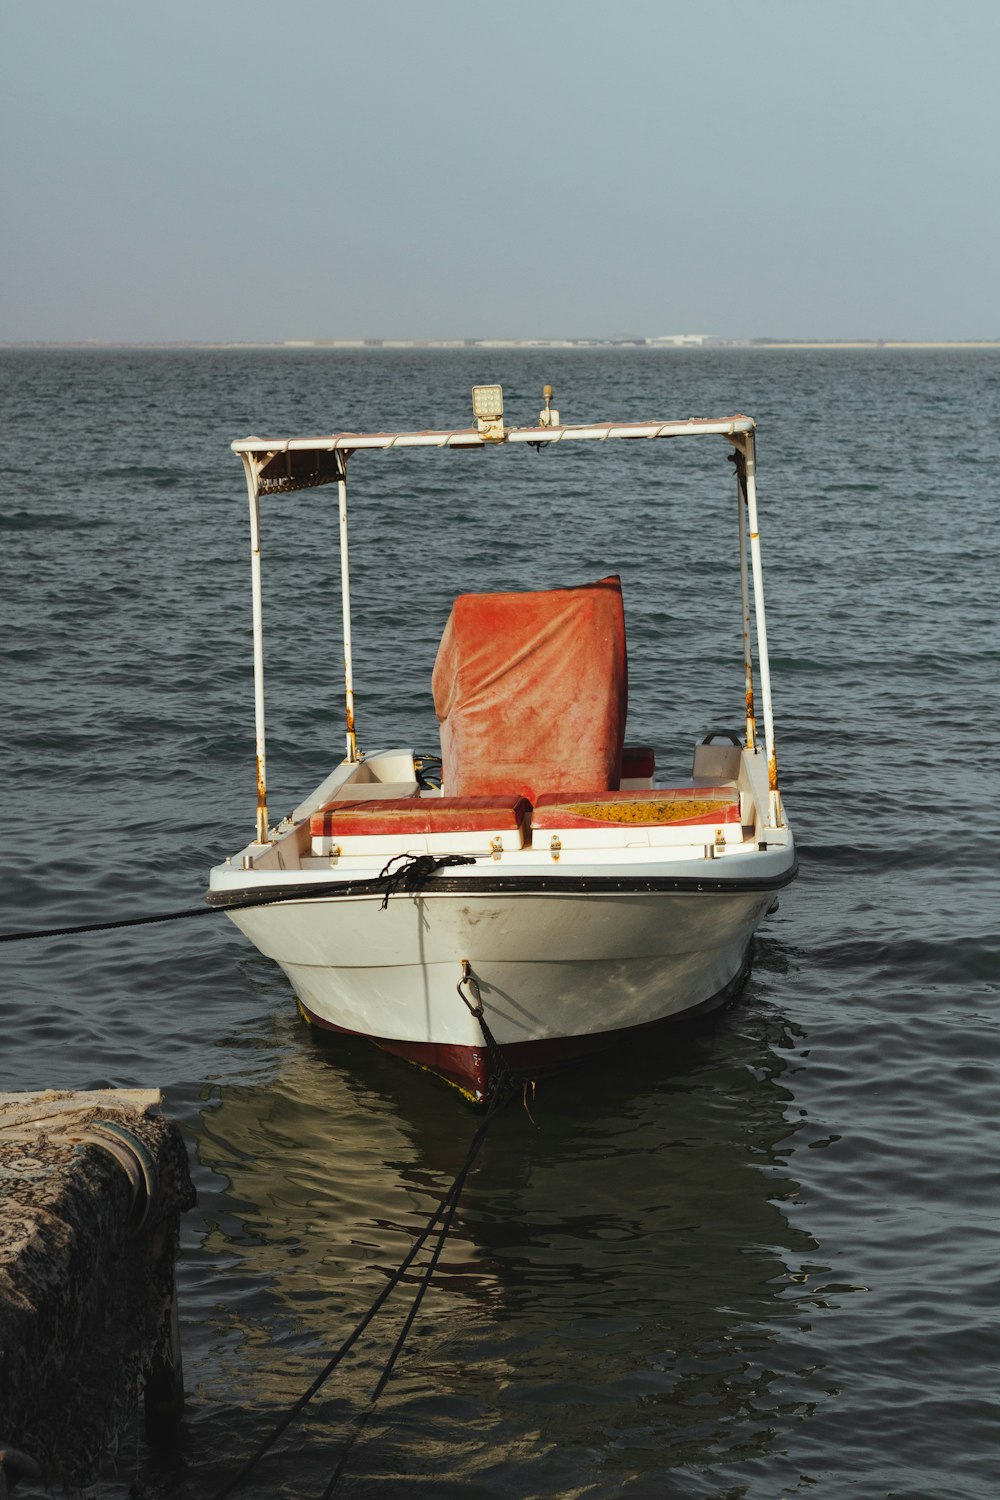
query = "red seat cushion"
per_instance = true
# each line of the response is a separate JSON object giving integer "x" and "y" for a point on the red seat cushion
{"x": 684, "y": 805}
{"x": 420, "y": 815}
{"x": 532, "y": 691}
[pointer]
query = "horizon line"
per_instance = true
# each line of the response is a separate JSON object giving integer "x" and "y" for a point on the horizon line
{"x": 685, "y": 342}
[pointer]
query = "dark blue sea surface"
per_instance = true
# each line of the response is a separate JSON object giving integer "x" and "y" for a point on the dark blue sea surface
{"x": 752, "y": 1262}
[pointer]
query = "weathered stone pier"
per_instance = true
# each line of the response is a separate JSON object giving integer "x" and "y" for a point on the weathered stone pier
{"x": 92, "y": 1186}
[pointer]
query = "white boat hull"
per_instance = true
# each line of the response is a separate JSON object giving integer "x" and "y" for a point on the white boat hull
{"x": 560, "y": 972}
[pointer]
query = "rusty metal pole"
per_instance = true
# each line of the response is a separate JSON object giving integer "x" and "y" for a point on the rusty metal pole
{"x": 345, "y": 591}
{"x": 775, "y": 819}
{"x": 741, "y": 500}
{"x": 258, "y": 645}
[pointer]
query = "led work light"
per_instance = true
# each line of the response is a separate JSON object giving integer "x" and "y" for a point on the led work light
{"x": 487, "y": 408}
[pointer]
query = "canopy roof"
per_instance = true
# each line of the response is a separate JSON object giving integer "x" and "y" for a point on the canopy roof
{"x": 283, "y": 464}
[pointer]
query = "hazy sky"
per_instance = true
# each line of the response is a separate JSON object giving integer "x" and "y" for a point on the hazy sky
{"x": 238, "y": 169}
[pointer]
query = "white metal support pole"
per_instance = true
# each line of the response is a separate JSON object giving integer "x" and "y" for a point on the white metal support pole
{"x": 258, "y": 646}
{"x": 775, "y": 818}
{"x": 741, "y": 500}
{"x": 345, "y": 591}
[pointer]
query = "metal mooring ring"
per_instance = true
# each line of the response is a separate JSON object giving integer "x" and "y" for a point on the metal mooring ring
{"x": 468, "y": 978}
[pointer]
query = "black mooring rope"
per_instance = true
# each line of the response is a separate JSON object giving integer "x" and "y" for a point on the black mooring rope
{"x": 415, "y": 870}
{"x": 409, "y": 877}
{"x": 165, "y": 916}
{"x": 444, "y": 1212}
{"x": 498, "y": 1098}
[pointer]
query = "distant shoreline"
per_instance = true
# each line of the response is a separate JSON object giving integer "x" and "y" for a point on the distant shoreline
{"x": 654, "y": 345}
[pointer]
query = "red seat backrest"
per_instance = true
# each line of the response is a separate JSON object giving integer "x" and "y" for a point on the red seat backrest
{"x": 532, "y": 691}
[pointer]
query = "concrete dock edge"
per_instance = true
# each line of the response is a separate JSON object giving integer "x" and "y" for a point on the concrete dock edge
{"x": 92, "y": 1186}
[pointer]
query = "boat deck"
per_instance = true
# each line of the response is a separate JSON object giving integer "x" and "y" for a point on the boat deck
{"x": 376, "y": 810}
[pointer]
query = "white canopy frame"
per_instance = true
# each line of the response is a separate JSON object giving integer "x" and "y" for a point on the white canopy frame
{"x": 282, "y": 465}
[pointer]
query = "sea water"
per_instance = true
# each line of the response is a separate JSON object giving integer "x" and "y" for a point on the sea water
{"x": 755, "y": 1261}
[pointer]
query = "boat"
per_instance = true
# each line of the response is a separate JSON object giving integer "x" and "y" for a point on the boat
{"x": 537, "y": 892}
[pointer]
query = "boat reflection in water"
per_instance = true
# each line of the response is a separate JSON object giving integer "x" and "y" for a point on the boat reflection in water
{"x": 624, "y": 1292}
